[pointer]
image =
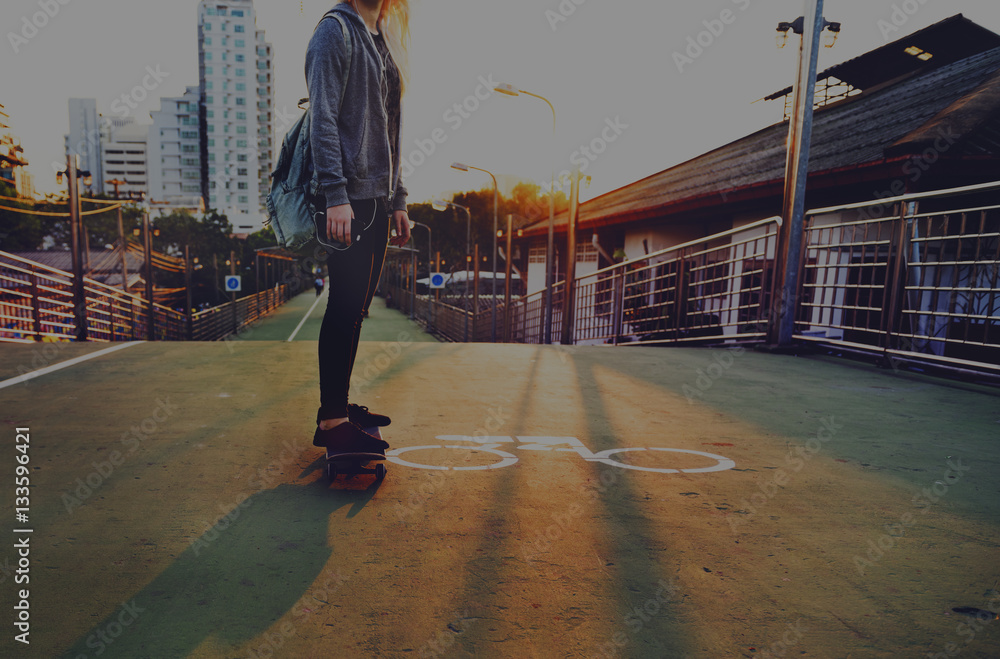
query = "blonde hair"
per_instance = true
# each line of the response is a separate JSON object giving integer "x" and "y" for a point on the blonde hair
{"x": 394, "y": 23}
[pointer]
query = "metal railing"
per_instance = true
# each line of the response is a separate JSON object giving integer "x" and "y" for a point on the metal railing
{"x": 914, "y": 277}
{"x": 36, "y": 304}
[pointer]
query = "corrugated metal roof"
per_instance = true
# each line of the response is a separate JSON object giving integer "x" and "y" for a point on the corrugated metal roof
{"x": 854, "y": 132}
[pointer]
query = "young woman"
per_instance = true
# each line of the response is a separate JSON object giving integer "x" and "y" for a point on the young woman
{"x": 356, "y": 70}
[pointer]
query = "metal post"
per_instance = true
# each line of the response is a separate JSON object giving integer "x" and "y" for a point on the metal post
{"x": 570, "y": 287}
{"x": 124, "y": 248}
{"x": 475, "y": 294}
{"x": 79, "y": 292}
{"x": 148, "y": 248}
{"x": 506, "y": 279}
{"x": 232, "y": 297}
{"x": 493, "y": 301}
{"x": 413, "y": 284}
{"x": 188, "y": 296}
{"x": 789, "y": 246}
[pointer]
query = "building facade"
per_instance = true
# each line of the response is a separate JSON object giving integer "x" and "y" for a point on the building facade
{"x": 123, "y": 158}
{"x": 174, "y": 154}
{"x": 84, "y": 138}
{"x": 236, "y": 90}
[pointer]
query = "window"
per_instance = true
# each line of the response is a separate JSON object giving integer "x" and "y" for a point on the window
{"x": 238, "y": 28}
{"x": 222, "y": 11}
{"x": 208, "y": 26}
{"x": 240, "y": 43}
{"x": 237, "y": 12}
{"x": 210, "y": 114}
{"x": 209, "y": 100}
{"x": 241, "y": 86}
{"x": 240, "y": 57}
{"x": 208, "y": 55}
{"x": 242, "y": 171}
{"x": 208, "y": 41}
{"x": 211, "y": 143}
{"x": 244, "y": 199}
{"x": 242, "y": 185}
{"x": 189, "y": 148}
{"x": 189, "y": 134}
{"x": 241, "y": 144}
{"x": 210, "y": 11}
{"x": 208, "y": 84}
{"x": 209, "y": 71}
{"x": 240, "y": 100}
{"x": 241, "y": 73}
{"x": 241, "y": 157}
{"x": 241, "y": 116}
{"x": 241, "y": 129}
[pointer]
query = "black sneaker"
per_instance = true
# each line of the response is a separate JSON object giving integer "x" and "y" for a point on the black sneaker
{"x": 360, "y": 415}
{"x": 349, "y": 438}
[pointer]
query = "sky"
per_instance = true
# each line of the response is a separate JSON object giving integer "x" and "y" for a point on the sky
{"x": 640, "y": 85}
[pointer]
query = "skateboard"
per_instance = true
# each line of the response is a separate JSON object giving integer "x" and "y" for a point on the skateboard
{"x": 354, "y": 463}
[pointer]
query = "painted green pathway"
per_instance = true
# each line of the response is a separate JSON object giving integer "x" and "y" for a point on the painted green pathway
{"x": 382, "y": 324}
{"x": 180, "y": 510}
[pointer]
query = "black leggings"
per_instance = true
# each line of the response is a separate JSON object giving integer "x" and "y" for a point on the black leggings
{"x": 354, "y": 275}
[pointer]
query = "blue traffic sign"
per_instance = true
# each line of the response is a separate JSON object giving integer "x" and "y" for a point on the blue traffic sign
{"x": 233, "y": 283}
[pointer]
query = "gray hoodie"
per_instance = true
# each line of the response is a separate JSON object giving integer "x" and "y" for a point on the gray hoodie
{"x": 349, "y": 135}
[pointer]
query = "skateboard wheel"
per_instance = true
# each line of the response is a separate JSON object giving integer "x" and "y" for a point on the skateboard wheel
{"x": 379, "y": 471}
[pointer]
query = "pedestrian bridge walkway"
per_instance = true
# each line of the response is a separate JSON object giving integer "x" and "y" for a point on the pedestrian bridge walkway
{"x": 541, "y": 501}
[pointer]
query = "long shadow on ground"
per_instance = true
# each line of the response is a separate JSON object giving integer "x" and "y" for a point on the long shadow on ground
{"x": 233, "y": 582}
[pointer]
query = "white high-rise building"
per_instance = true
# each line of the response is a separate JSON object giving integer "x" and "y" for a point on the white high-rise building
{"x": 84, "y": 139}
{"x": 123, "y": 157}
{"x": 174, "y": 154}
{"x": 235, "y": 73}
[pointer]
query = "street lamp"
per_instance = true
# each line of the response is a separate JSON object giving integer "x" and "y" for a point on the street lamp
{"x": 441, "y": 205}
{"x": 509, "y": 90}
{"x": 788, "y": 251}
{"x": 76, "y": 231}
{"x": 464, "y": 168}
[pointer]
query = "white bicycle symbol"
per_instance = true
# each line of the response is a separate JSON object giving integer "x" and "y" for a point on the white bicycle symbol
{"x": 491, "y": 444}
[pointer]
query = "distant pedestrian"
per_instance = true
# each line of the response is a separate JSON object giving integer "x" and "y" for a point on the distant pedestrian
{"x": 319, "y": 286}
{"x": 356, "y": 69}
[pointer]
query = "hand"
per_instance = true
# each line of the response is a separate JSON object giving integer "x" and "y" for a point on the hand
{"x": 338, "y": 223}
{"x": 402, "y": 223}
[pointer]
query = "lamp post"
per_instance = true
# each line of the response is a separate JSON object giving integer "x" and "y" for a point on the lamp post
{"x": 789, "y": 248}
{"x": 510, "y": 90}
{"x": 440, "y": 205}
{"x": 464, "y": 168}
{"x": 79, "y": 292}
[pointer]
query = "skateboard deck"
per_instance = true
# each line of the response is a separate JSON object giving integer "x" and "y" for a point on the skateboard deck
{"x": 355, "y": 463}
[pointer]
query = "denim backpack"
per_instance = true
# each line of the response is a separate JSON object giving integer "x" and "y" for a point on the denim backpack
{"x": 293, "y": 182}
